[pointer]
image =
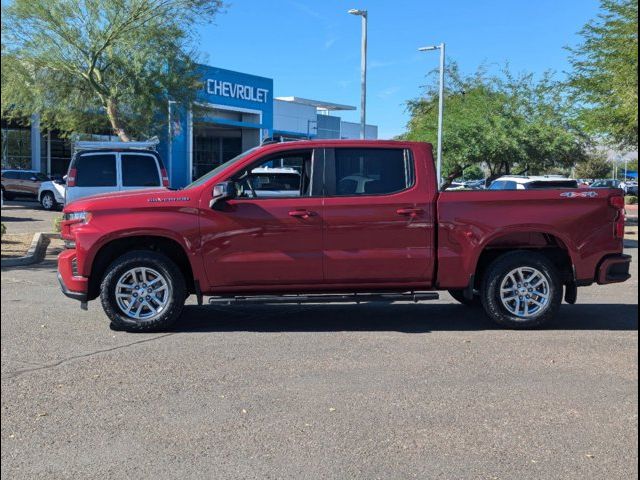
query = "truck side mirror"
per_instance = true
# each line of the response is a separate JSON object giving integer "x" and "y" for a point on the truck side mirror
{"x": 223, "y": 191}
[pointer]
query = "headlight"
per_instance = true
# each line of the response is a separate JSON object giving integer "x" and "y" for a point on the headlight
{"x": 76, "y": 217}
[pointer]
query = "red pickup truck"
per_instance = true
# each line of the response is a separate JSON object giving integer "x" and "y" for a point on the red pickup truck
{"x": 338, "y": 221}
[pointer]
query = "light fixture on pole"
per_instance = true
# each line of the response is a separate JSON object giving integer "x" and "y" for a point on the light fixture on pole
{"x": 363, "y": 71}
{"x": 440, "y": 47}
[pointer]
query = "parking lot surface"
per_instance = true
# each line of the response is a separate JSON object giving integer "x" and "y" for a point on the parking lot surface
{"x": 318, "y": 391}
{"x": 26, "y": 216}
{"x": 328, "y": 391}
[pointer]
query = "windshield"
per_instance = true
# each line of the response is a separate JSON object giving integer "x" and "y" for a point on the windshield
{"x": 203, "y": 179}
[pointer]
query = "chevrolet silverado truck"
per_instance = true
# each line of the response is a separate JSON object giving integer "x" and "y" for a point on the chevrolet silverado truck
{"x": 361, "y": 221}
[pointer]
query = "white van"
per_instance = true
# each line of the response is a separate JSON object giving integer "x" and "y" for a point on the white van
{"x": 104, "y": 167}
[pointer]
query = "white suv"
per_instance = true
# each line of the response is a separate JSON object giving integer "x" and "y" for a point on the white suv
{"x": 105, "y": 167}
{"x": 517, "y": 182}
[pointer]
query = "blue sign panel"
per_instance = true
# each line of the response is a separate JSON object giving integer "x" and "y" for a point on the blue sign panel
{"x": 220, "y": 90}
{"x": 241, "y": 90}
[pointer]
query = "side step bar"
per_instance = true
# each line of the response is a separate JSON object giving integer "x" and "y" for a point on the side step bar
{"x": 326, "y": 298}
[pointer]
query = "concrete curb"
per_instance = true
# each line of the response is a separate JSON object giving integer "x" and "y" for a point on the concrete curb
{"x": 33, "y": 254}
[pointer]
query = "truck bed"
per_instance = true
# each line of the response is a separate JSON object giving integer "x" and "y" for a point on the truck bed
{"x": 581, "y": 222}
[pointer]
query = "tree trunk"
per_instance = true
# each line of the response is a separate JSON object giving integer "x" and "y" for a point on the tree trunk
{"x": 114, "y": 119}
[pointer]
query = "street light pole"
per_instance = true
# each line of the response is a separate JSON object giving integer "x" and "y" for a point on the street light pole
{"x": 363, "y": 71}
{"x": 440, "y": 47}
{"x": 170, "y": 139}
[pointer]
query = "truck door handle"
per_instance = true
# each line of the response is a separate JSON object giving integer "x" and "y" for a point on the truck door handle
{"x": 301, "y": 213}
{"x": 413, "y": 212}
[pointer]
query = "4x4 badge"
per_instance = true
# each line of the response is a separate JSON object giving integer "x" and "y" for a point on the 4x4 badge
{"x": 589, "y": 194}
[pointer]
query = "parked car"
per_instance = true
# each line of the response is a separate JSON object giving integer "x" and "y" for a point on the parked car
{"x": 24, "y": 183}
{"x": 518, "y": 253}
{"x": 630, "y": 188}
{"x": 606, "y": 183}
{"x": 516, "y": 182}
{"x": 454, "y": 186}
{"x": 51, "y": 194}
{"x": 106, "y": 167}
{"x": 475, "y": 184}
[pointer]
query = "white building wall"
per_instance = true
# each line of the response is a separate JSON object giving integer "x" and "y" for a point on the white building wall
{"x": 293, "y": 117}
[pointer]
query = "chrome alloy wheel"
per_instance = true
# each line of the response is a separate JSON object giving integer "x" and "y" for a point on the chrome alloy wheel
{"x": 525, "y": 292}
{"x": 142, "y": 293}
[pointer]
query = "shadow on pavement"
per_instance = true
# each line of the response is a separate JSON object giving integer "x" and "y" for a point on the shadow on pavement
{"x": 406, "y": 318}
{"x": 19, "y": 219}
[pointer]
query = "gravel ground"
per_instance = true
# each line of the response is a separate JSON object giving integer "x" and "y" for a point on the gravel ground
{"x": 328, "y": 391}
{"x": 16, "y": 245}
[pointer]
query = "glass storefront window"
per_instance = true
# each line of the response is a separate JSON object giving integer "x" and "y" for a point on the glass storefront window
{"x": 213, "y": 146}
{"x": 16, "y": 147}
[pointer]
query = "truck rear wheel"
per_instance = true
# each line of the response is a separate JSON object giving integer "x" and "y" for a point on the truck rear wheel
{"x": 521, "y": 289}
{"x": 7, "y": 195}
{"x": 143, "y": 291}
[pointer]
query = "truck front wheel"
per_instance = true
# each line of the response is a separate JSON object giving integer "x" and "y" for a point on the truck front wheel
{"x": 521, "y": 289}
{"x": 143, "y": 291}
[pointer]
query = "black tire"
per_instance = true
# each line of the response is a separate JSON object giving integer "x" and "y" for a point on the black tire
{"x": 7, "y": 195}
{"x": 163, "y": 265}
{"x": 458, "y": 295}
{"x": 48, "y": 201}
{"x": 498, "y": 271}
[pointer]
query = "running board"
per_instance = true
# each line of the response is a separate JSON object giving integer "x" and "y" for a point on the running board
{"x": 326, "y": 298}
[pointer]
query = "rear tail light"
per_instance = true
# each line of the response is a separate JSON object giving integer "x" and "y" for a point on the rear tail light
{"x": 71, "y": 178}
{"x": 617, "y": 202}
{"x": 165, "y": 178}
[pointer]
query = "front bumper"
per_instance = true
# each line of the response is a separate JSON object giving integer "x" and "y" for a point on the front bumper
{"x": 72, "y": 285}
{"x": 614, "y": 269}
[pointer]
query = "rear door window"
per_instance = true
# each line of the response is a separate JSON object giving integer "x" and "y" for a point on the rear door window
{"x": 139, "y": 170}
{"x": 96, "y": 170}
{"x": 369, "y": 171}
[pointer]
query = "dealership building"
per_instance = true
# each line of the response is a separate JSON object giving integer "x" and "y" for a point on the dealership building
{"x": 233, "y": 112}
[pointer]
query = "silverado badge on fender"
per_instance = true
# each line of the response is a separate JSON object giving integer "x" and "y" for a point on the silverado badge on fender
{"x": 169, "y": 199}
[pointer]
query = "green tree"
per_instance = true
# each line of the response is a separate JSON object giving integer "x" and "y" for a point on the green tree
{"x": 509, "y": 124}
{"x": 596, "y": 166}
{"x": 88, "y": 65}
{"x": 605, "y": 72}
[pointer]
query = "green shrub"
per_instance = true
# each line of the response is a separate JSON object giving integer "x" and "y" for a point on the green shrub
{"x": 631, "y": 200}
{"x": 56, "y": 224}
{"x": 3, "y": 229}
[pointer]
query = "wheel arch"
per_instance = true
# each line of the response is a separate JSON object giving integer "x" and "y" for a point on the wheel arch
{"x": 114, "y": 248}
{"x": 554, "y": 246}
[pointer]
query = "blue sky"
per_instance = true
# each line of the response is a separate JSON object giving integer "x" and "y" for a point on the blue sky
{"x": 312, "y": 48}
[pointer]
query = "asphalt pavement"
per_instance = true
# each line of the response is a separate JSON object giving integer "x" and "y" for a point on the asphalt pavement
{"x": 422, "y": 391}
{"x": 27, "y": 216}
